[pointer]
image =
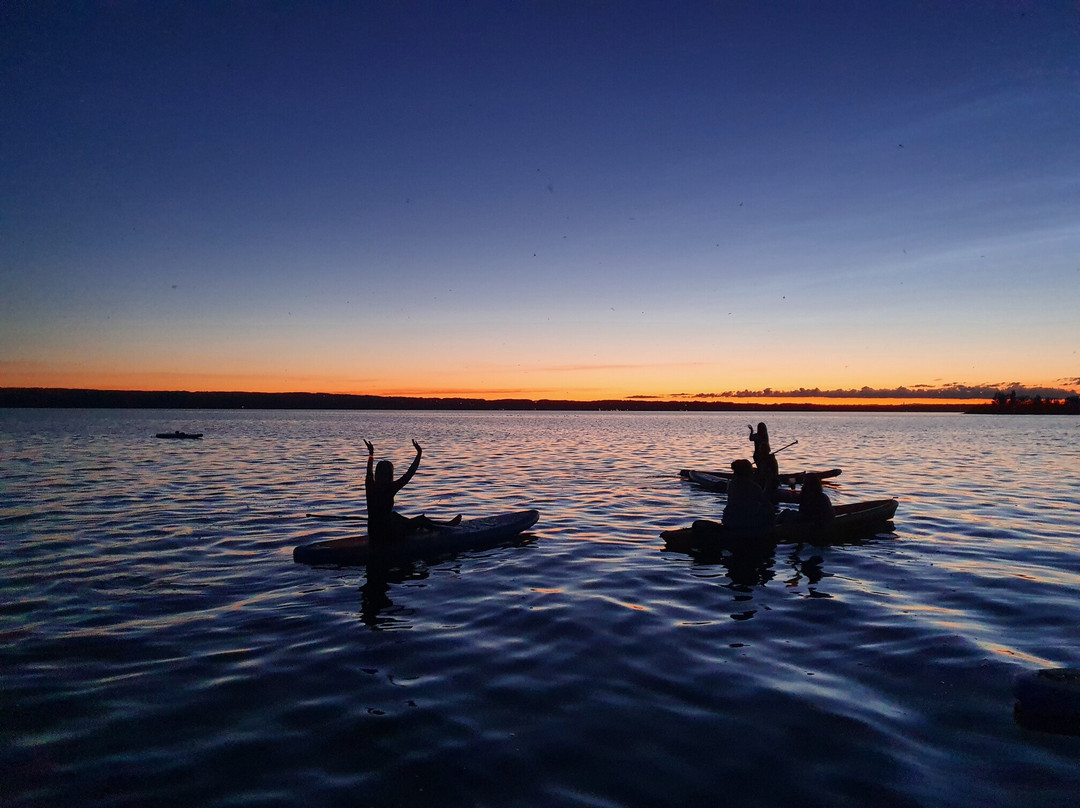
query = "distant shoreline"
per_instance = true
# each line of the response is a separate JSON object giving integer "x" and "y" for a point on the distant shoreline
{"x": 42, "y": 397}
{"x": 76, "y": 398}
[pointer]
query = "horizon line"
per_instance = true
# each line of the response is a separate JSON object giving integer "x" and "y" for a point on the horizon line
{"x": 73, "y": 397}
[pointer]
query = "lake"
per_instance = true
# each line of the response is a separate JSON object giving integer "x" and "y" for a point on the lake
{"x": 160, "y": 646}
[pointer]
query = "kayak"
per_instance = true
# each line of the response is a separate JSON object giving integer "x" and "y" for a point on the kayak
{"x": 795, "y": 478}
{"x": 178, "y": 435}
{"x": 718, "y": 485}
{"x": 852, "y": 522}
{"x": 1049, "y": 700}
{"x": 470, "y": 534}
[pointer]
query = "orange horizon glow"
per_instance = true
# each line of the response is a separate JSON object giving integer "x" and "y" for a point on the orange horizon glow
{"x": 484, "y": 393}
{"x": 599, "y": 383}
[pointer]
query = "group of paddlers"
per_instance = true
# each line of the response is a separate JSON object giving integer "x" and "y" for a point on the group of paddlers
{"x": 751, "y": 494}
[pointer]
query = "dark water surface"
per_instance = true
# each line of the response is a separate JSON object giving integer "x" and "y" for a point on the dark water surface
{"x": 160, "y": 647}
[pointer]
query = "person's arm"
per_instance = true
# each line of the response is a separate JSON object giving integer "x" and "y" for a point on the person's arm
{"x": 370, "y": 460}
{"x": 408, "y": 475}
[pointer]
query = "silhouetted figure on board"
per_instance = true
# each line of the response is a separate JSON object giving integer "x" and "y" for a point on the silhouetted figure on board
{"x": 767, "y": 471}
{"x": 384, "y": 523}
{"x": 747, "y": 506}
{"x": 815, "y": 507}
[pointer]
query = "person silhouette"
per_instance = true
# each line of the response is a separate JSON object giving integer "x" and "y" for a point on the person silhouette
{"x": 747, "y": 506}
{"x": 767, "y": 470}
{"x": 385, "y": 523}
{"x": 815, "y": 507}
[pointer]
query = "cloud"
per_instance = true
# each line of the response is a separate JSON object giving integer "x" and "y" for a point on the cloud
{"x": 954, "y": 390}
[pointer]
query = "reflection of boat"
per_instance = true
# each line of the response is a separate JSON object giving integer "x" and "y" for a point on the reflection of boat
{"x": 178, "y": 435}
{"x": 470, "y": 534}
{"x": 717, "y": 484}
{"x": 855, "y": 521}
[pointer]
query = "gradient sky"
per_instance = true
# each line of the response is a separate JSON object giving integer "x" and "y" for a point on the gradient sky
{"x": 544, "y": 200}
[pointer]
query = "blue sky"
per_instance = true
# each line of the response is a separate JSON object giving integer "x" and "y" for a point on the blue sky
{"x": 548, "y": 199}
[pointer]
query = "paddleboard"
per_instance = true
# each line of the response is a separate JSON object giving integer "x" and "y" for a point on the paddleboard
{"x": 470, "y": 534}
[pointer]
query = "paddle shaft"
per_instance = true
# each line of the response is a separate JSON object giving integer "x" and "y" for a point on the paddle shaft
{"x": 785, "y": 447}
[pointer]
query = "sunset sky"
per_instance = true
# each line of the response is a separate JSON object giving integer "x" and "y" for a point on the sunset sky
{"x": 542, "y": 200}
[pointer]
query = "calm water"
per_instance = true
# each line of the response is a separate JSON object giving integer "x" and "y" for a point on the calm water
{"x": 160, "y": 647}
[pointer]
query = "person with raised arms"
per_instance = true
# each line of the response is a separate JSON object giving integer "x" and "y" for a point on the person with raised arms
{"x": 385, "y": 523}
{"x": 767, "y": 471}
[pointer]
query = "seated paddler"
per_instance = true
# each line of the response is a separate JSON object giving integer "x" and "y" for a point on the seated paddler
{"x": 385, "y": 523}
{"x": 748, "y": 508}
{"x": 815, "y": 507}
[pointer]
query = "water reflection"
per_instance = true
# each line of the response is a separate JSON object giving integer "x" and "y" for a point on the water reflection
{"x": 747, "y": 570}
{"x": 146, "y": 570}
{"x": 750, "y": 568}
{"x": 810, "y": 569}
{"x": 377, "y": 610}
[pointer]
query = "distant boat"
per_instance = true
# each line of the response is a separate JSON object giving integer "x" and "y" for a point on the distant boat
{"x": 178, "y": 435}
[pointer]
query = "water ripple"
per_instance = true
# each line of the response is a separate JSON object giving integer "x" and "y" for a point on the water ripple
{"x": 161, "y": 647}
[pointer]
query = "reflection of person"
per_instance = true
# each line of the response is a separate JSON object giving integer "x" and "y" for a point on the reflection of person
{"x": 377, "y": 610}
{"x": 747, "y": 505}
{"x": 767, "y": 470}
{"x": 384, "y": 523}
{"x": 815, "y": 507}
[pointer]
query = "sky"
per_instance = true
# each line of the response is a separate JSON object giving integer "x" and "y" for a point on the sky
{"x": 576, "y": 200}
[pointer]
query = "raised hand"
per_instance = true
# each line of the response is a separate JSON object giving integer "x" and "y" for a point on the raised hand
{"x": 370, "y": 448}
{"x": 417, "y": 445}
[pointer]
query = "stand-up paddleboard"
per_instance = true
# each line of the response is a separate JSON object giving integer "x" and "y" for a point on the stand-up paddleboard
{"x": 470, "y": 534}
{"x": 795, "y": 478}
{"x": 719, "y": 485}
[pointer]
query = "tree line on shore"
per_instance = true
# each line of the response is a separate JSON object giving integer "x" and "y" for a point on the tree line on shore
{"x": 179, "y": 400}
{"x": 1002, "y": 403}
{"x": 1012, "y": 404}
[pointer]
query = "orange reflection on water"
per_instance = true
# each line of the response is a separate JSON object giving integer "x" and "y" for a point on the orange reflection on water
{"x": 1012, "y": 653}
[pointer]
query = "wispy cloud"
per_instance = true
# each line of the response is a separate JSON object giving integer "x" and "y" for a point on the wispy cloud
{"x": 955, "y": 390}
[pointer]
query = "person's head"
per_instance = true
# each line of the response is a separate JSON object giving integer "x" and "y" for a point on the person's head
{"x": 384, "y": 472}
{"x": 763, "y": 430}
{"x": 742, "y": 468}
{"x": 811, "y": 484}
